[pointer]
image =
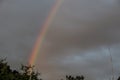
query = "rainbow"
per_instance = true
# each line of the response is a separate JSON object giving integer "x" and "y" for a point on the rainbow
{"x": 43, "y": 32}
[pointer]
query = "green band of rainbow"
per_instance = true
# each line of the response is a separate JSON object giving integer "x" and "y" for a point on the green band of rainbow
{"x": 43, "y": 32}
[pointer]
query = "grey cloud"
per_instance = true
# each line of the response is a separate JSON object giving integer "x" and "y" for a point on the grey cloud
{"x": 20, "y": 23}
{"x": 79, "y": 27}
{"x": 76, "y": 42}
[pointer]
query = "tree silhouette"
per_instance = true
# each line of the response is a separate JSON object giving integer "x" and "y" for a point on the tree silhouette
{"x": 118, "y": 78}
{"x": 69, "y": 77}
{"x": 6, "y": 73}
{"x": 26, "y": 73}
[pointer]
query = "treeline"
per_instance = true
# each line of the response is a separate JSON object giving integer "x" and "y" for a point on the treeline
{"x": 26, "y": 73}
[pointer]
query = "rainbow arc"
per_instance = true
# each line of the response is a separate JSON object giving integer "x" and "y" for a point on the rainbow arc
{"x": 43, "y": 32}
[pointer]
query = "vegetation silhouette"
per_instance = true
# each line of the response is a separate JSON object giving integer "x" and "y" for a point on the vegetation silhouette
{"x": 26, "y": 73}
{"x": 70, "y": 77}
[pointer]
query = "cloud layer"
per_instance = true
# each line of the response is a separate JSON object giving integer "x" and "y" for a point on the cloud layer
{"x": 78, "y": 40}
{"x": 76, "y": 43}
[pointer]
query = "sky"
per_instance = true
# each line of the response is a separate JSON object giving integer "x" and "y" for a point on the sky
{"x": 78, "y": 42}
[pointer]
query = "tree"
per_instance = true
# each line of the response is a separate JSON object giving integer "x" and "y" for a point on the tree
{"x": 70, "y": 77}
{"x": 28, "y": 72}
{"x": 6, "y": 73}
{"x": 118, "y": 78}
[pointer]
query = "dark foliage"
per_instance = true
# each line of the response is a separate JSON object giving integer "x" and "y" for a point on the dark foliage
{"x": 118, "y": 78}
{"x": 69, "y": 77}
{"x": 25, "y": 73}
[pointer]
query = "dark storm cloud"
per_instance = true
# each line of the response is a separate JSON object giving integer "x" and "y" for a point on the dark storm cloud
{"x": 69, "y": 30}
{"x": 78, "y": 39}
{"x": 76, "y": 43}
{"x": 98, "y": 29}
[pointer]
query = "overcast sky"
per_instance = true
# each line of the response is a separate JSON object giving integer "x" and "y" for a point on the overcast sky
{"x": 76, "y": 43}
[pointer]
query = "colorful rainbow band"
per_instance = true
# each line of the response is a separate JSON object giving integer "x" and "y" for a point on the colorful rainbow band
{"x": 43, "y": 32}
